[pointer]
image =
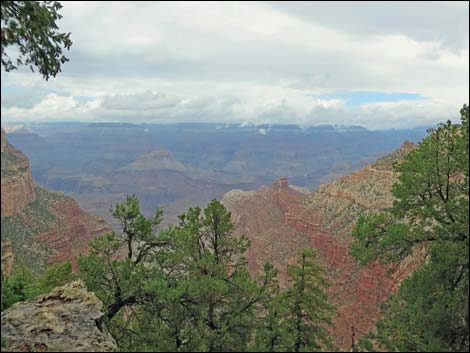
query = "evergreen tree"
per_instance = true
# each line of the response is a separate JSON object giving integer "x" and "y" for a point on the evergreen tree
{"x": 431, "y": 210}
{"x": 269, "y": 329}
{"x": 13, "y": 290}
{"x": 24, "y": 285}
{"x": 30, "y": 27}
{"x": 120, "y": 267}
{"x": 217, "y": 292}
{"x": 305, "y": 307}
{"x": 183, "y": 289}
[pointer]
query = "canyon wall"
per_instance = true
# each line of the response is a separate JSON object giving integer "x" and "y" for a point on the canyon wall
{"x": 17, "y": 187}
{"x": 39, "y": 227}
{"x": 280, "y": 221}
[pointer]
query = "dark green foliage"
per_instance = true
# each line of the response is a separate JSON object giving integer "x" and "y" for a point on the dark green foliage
{"x": 30, "y": 27}
{"x": 13, "y": 290}
{"x": 431, "y": 210}
{"x": 427, "y": 314}
{"x": 127, "y": 270}
{"x": 216, "y": 291}
{"x": 306, "y": 309}
{"x": 297, "y": 319}
{"x": 187, "y": 288}
{"x": 122, "y": 282}
{"x": 24, "y": 285}
{"x": 269, "y": 332}
{"x": 55, "y": 275}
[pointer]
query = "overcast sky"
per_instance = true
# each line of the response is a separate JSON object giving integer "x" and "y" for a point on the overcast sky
{"x": 376, "y": 64}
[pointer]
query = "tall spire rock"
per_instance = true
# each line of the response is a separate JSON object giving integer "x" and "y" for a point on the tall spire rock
{"x": 281, "y": 184}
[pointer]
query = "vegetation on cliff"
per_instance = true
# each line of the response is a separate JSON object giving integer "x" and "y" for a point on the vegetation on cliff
{"x": 20, "y": 229}
{"x": 24, "y": 285}
{"x": 39, "y": 227}
{"x": 430, "y": 211}
{"x": 187, "y": 288}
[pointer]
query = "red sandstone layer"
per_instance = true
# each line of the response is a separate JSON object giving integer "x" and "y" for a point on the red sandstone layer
{"x": 281, "y": 221}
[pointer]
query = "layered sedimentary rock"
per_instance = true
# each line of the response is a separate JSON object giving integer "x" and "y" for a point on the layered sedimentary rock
{"x": 39, "y": 227}
{"x": 7, "y": 256}
{"x": 65, "y": 320}
{"x": 281, "y": 221}
{"x": 160, "y": 159}
{"x": 17, "y": 187}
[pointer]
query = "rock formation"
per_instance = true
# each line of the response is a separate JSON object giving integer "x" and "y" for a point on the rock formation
{"x": 64, "y": 320}
{"x": 39, "y": 227}
{"x": 17, "y": 187}
{"x": 7, "y": 256}
{"x": 159, "y": 159}
{"x": 280, "y": 221}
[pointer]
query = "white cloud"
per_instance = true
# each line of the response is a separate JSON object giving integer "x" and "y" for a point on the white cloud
{"x": 251, "y": 62}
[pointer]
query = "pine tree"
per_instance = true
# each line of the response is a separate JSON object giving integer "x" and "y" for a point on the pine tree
{"x": 307, "y": 313}
{"x": 218, "y": 293}
{"x": 121, "y": 281}
{"x": 186, "y": 288}
{"x": 431, "y": 210}
{"x": 269, "y": 329}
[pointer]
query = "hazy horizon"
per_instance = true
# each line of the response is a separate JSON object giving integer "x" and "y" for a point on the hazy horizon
{"x": 13, "y": 126}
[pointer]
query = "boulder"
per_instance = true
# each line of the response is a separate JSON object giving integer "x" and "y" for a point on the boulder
{"x": 65, "y": 320}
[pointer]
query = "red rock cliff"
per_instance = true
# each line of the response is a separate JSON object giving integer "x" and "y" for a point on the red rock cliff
{"x": 281, "y": 221}
{"x": 39, "y": 227}
{"x": 17, "y": 187}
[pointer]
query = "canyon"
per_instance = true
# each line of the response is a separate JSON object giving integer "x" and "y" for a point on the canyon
{"x": 175, "y": 166}
{"x": 39, "y": 227}
{"x": 281, "y": 220}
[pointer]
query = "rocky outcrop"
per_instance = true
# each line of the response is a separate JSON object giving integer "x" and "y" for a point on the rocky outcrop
{"x": 39, "y": 226}
{"x": 160, "y": 159}
{"x": 65, "y": 320}
{"x": 7, "y": 257}
{"x": 3, "y": 140}
{"x": 17, "y": 187}
{"x": 280, "y": 221}
{"x": 262, "y": 216}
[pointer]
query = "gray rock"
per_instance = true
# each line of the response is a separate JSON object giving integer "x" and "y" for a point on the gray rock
{"x": 64, "y": 320}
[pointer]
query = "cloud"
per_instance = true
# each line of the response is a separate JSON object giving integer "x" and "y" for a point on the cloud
{"x": 252, "y": 62}
{"x": 283, "y": 108}
{"x": 143, "y": 101}
{"x": 445, "y": 22}
{"x": 23, "y": 97}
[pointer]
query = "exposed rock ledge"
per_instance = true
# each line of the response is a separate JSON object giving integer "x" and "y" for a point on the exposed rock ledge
{"x": 61, "y": 321}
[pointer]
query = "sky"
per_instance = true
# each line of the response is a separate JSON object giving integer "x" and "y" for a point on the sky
{"x": 380, "y": 65}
